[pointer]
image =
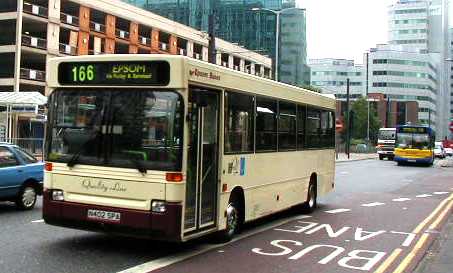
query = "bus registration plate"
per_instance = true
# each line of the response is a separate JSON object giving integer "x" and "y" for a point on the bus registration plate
{"x": 102, "y": 215}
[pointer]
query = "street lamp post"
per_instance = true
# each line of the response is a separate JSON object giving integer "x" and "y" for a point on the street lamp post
{"x": 277, "y": 33}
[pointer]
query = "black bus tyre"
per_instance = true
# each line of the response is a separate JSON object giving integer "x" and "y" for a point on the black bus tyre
{"x": 310, "y": 205}
{"x": 232, "y": 223}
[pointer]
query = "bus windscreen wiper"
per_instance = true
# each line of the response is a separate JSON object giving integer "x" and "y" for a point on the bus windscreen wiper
{"x": 73, "y": 160}
{"x": 139, "y": 166}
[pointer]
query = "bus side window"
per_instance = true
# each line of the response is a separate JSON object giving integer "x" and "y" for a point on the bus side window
{"x": 239, "y": 123}
{"x": 301, "y": 124}
{"x": 266, "y": 125}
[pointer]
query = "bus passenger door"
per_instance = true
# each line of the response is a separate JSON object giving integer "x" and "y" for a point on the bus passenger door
{"x": 202, "y": 163}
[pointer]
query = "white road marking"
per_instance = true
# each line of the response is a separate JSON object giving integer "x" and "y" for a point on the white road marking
{"x": 38, "y": 221}
{"x": 440, "y": 192}
{"x": 347, "y": 240}
{"x": 404, "y": 208}
{"x": 344, "y": 172}
{"x": 337, "y": 211}
{"x": 375, "y": 204}
{"x": 423, "y": 195}
{"x": 401, "y": 199}
{"x": 408, "y": 180}
{"x": 221, "y": 251}
{"x": 200, "y": 249}
{"x": 305, "y": 216}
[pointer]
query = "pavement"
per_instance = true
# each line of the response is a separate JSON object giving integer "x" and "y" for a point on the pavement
{"x": 439, "y": 259}
{"x": 341, "y": 157}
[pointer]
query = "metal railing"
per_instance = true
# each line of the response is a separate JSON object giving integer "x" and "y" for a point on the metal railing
{"x": 69, "y": 19}
{"x": 97, "y": 27}
{"x": 34, "y": 146}
{"x": 163, "y": 46}
{"x": 67, "y": 49}
{"x": 122, "y": 34}
{"x": 34, "y": 42}
{"x": 35, "y": 10}
{"x": 144, "y": 40}
{"x": 94, "y": 52}
{"x": 182, "y": 51}
{"x": 32, "y": 74}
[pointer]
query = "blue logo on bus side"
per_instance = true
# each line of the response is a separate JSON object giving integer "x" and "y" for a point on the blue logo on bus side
{"x": 242, "y": 168}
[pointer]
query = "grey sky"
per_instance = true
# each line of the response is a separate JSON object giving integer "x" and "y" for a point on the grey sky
{"x": 344, "y": 28}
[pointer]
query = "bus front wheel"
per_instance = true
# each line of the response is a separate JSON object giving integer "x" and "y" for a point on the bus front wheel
{"x": 232, "y": 223}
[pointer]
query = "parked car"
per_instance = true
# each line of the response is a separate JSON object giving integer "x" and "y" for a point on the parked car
{"x": 449, "y": 151}
{"x": 439, "y": 150}
{"x": 21, "y": 176}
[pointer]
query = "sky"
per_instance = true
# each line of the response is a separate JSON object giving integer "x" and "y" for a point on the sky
{"x": 345, "y": 29}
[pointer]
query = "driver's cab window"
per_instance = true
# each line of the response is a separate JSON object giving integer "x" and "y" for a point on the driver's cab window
{"x": 7, "y": 158}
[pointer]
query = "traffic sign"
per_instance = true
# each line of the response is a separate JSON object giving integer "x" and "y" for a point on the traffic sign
{"x": 338, "y": 125}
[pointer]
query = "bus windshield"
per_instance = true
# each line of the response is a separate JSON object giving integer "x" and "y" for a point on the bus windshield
{"x": 413, "y": 141}
{"x": 387, "y": 134}
{"x": 129, "y": 129}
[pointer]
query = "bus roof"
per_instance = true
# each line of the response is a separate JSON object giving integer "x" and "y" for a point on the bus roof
{"x": 186, "y": 70}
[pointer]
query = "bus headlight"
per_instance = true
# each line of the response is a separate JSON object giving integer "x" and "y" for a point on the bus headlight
{"x": 158, "y": 206}
{"x": 57, "y": 195}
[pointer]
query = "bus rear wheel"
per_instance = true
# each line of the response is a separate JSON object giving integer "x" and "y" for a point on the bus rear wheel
{"x": 310, "y": 205}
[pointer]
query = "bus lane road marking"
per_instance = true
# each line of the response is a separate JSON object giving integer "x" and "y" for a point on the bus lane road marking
{"x": 166, "y": 261}
{"x": 350, "y": 257}
{"x": 423, "y": 195}
{"x": 403, "y": 199}
{"x": 375, "y": 204}
{"x": 357, "y": 259}
{"x": 334, "y": 211}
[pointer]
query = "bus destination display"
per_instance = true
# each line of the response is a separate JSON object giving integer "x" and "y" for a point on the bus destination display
{"x": 414, "y": 130}
{"x": 114, "y": 73}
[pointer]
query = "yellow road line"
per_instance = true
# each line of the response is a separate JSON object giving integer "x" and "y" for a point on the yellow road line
{"x": 441, "y": 216}
{"x": 429, "y": 218}
{"x": 406, "y": 262}
{"x": 408, "y": 259}
{"x": 389, "y": 261}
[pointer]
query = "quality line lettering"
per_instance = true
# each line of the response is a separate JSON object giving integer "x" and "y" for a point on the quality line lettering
{"x": 102, "y": 186}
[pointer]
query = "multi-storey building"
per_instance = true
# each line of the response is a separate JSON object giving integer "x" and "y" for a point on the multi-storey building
{"x": 242, "y": 22}
{"x": 35, "y": 30}
{"x": 409, "y": 24}
{"x": 405, "y": 76}
{"x": 293, "y": 68}
{"x": 331, "y": 75}
{"x": 422, "y": 25}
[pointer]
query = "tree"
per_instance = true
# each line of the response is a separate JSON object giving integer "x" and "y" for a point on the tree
{"x": 359, "y": 120}
{"x": 312, "y": 88}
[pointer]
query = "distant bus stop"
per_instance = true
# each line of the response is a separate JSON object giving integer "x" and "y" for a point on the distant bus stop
{"x": 15, "y": 104}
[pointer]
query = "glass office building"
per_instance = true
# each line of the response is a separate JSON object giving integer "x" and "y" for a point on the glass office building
{"x": 238, "y": 23}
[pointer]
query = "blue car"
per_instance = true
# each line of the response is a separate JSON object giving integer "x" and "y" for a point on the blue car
{"x": 21, "y": 176}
